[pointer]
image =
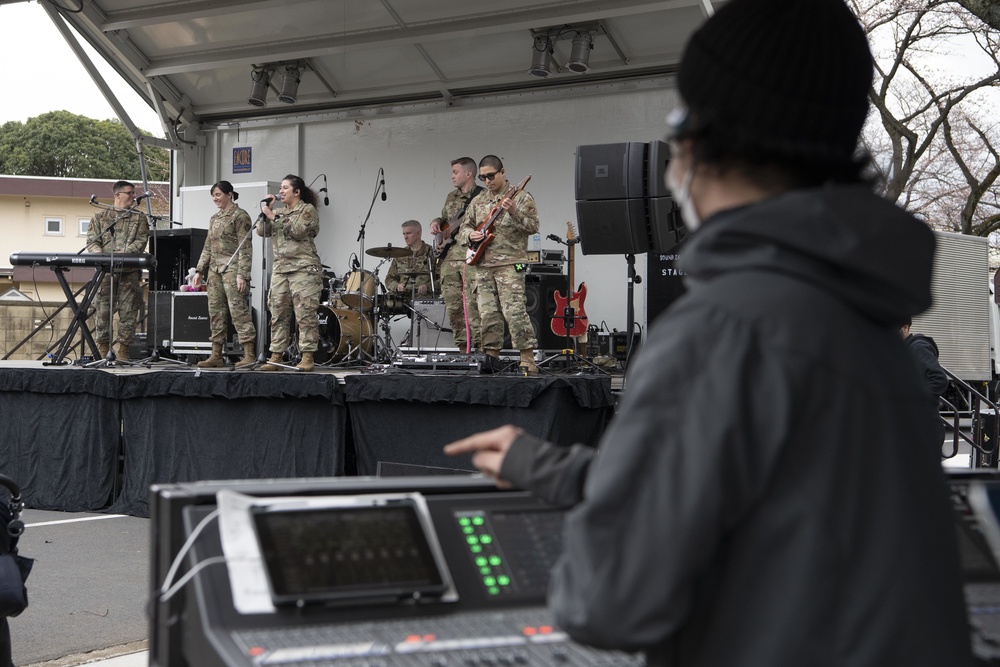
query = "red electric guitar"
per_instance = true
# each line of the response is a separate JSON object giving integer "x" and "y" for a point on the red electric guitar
{"x": 579, "y": 322}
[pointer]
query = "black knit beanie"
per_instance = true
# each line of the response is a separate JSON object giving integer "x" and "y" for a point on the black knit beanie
{"x": 790, "y": 77}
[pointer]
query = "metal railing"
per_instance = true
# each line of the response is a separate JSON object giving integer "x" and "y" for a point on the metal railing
{"x": 980, "y": 415}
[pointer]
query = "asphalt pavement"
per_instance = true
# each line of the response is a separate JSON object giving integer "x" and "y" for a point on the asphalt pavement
{"x": 88, "y": 589}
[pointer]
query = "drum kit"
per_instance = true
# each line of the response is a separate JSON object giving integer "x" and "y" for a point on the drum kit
{"x": 350, "y": 308}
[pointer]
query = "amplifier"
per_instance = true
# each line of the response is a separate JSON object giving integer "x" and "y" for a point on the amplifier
{"x": 189, "y": 325}
{"x": 611, "y": 344}
{"x": 442, "y": 363}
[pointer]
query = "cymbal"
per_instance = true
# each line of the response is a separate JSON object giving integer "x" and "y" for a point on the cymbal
{"x": 388, "y": 251}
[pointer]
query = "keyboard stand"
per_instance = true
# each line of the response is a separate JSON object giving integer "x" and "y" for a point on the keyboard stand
{"x": 80, "y": 311}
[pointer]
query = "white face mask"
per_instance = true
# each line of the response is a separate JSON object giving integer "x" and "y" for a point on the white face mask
{"x": 682, "y": 195}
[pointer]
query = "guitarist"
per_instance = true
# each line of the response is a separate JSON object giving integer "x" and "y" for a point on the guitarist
{"x": 451, "y": 260}
{"x": 500, "y": 274}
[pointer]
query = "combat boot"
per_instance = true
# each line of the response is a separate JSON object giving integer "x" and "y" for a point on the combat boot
{"x": 122, "y": 352}
{"x": 491, "y": 363}
{"x": 102, "y": 350}
{"x": 249, "y": 358}
{"x": 527, "y": 364}
{"x": 270, "y": 365}
{"x": 306, "y": 365}
{"x": 214, "y": 361}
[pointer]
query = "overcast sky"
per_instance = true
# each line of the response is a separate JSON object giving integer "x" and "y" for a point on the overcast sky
{"x": 41, "y": 73}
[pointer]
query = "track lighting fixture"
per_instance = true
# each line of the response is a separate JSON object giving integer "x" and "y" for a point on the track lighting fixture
{"x": 261, "y": 79}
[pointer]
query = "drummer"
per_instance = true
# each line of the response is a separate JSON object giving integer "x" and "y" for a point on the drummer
{"x": 417, "y": 273}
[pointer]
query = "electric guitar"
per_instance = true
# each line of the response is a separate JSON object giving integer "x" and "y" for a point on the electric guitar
{"x": 574, "y": 300}
{"x": 478, "y": 248}
{"x": 446, "y": 239}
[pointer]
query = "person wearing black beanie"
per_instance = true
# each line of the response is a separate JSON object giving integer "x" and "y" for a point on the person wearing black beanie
{"x": 770, "y": 493}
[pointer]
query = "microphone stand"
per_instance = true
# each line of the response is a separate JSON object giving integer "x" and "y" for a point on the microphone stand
{"x": 379, "y": 185}
{"x": 110, "y": 360}
{"x": 154, "y": 346}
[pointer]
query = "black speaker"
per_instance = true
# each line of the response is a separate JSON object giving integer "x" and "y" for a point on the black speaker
{"x": 611, "y": 186}
{"x": 540, "y": 303}
{"x": 664, "y": 283}
{"x": 611, "y": 171}
{"x": 665, "y": 224}
{"x": 613, "y": 226}
{"x": 177, "y": 250}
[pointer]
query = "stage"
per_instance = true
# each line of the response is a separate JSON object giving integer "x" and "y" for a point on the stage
{"x": 90, "y": 439}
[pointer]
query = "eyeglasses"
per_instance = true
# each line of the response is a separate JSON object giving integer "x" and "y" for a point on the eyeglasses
{"x": 488, "y": 177}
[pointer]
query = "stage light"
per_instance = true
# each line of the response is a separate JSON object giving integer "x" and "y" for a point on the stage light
{"x": 289, "y": 85}
{"x": 579, "y": 57}
{"x": 261, "y": 79}
{"x": 541, "y": 57}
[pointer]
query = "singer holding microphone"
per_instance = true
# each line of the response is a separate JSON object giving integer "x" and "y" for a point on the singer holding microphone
{"x": 118, "y": 229}
{"x": 228, "y": 287}
{"x": 297, "y": 274}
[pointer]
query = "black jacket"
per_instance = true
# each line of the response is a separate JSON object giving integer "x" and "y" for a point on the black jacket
{"x": 762, "y": 497}
{"x": 925, "y": 351}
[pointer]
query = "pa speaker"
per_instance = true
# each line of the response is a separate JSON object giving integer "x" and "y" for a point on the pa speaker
{"x": 613, "y": 227}
{"x": 665, "y": 224}
{"x": 611, "y": 171}
{"x": 540, "y": 302}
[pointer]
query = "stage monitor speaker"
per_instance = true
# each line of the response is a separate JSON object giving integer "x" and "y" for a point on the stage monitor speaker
{"x": 540, "y": 302}
{"x": 611, "y": 171}
{"x": 613, "y": 227}
{"x": 190, "y": 330}
{"x": 158, "y": 320}
{"x": 665, "y": 224}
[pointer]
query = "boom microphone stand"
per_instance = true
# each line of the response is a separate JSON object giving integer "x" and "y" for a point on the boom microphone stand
{"x": 379, "y": 187}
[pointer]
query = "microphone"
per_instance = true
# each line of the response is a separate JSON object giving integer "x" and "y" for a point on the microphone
{"x": 267, "y": 200}
{"x": 145, "y": 195}
{"x": 93, "y": 199}
{"x": 326, "y": 196}
{"x": 553, "y": 237}
{"x": 354, "y": 263}
{"x": 382, "y": 183}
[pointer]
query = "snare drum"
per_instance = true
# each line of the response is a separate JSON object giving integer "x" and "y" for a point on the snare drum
{"x": 359, "y": 289}
{"x": 340, "y": 331}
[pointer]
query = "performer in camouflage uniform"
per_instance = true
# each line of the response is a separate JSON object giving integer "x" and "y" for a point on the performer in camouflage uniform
{"x": 227, "y": 292}
{"x": 499, "y": 275}
{"x": 451, "y": 264}
{"x": 297, "y": 275}
{"x": 421, "y": 261}
{"x": 118, "y": 230}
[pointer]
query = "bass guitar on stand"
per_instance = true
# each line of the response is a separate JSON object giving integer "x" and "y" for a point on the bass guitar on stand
{"x": 478, "y": 248}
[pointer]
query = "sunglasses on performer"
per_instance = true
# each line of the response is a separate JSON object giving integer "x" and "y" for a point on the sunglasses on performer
{"x": 488, "y": 177}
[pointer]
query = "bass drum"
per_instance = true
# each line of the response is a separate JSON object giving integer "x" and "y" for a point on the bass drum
{"x": 341, "y": 331}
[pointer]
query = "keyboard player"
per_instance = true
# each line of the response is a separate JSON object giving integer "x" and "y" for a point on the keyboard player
{"x": 118, "y": 229}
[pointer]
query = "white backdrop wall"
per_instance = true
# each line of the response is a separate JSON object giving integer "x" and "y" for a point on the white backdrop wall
{"x": 415, "y": 150}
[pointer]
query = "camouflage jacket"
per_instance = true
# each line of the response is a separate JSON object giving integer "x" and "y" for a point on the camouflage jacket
{"x": 512, "y": 231}
{"x": 225, "y": 231}
{"x": 454, "y": 203}
{"x": 293, "y": 231}
{"x": 130, "y": 233}
{"x": 416, "y": 262}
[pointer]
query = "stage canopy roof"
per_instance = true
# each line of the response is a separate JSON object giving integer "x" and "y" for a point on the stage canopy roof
{"x": 196, "y": 59}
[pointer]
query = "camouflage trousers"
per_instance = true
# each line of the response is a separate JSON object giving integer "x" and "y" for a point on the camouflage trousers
{"x": 501, "y": 297}
{"x": 295, "y": 294}
{"x": 451, "y": 291}
{"x": 128, "y": 300}
{"x": 224, "y": 299}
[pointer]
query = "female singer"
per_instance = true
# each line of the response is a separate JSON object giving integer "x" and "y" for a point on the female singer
{"x": 297, "y": 274}
{"x": 227, "y": 292}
